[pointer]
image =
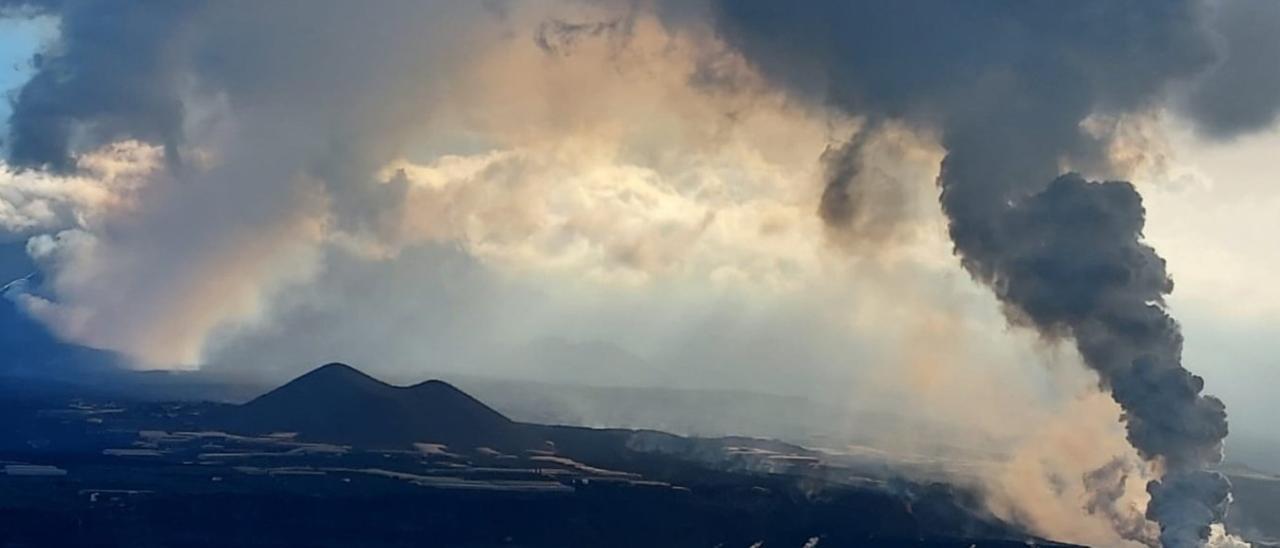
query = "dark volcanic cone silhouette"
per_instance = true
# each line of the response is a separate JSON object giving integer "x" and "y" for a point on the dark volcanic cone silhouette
{"x": 339, "y": 404}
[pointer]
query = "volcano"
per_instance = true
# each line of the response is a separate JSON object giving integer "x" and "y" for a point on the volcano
{"x": 336, "y": 403}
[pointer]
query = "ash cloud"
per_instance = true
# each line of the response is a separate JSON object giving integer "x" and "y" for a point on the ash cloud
{"x": 112, "y": 76}
{"x": 1007, "y": 87}
{"x": 864, "y": 207}
{"x": 272, "y": 119}
{"x": 1106, "y": 488}
{"x": 1242, "y": 92}
{"x": 847, "y": 202}
{"x": 275, "y": 119}
{"x": 558, "y": 37}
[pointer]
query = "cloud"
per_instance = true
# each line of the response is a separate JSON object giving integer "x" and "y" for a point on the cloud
{"x": 275, "y": 145}
{"x": 265, "y": 167}
{"x": 1011, "y": 90}
{"x": 1241, "y": 93}
{"x": 33, "y": 202}
{"x": 270, "y": 140}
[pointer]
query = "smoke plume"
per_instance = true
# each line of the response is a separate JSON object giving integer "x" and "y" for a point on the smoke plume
{"x": 272, "y": 121}
{"x": 258, "y": 136}
{"x": 1007, "y": 87}
{"x": 1241, "y": 93}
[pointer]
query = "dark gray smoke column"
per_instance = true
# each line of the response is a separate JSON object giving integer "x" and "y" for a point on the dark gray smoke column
{"x": 1007, "y": 86}
{"x": 1070, "y": 260}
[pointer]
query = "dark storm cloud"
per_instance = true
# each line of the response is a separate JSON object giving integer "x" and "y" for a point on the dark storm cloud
{"x": 1007, "y": 86}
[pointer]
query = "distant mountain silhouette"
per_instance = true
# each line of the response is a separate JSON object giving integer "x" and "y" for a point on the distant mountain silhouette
{"x": 29, "y": 349}
{"x": 338, "y": 404}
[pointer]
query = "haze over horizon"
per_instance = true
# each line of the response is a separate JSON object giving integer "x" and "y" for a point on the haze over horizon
{"x": 1025, "y": 220}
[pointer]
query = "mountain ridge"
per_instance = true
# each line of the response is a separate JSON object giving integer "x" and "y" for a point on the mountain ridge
{"x": 337, "y": 403}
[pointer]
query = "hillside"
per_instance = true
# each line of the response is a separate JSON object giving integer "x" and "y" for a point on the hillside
{"x": 338, "y": 404}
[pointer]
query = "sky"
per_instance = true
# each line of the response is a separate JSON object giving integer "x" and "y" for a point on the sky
{"x": 1218, "y": 237}
{"x": 704, "y": 195}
